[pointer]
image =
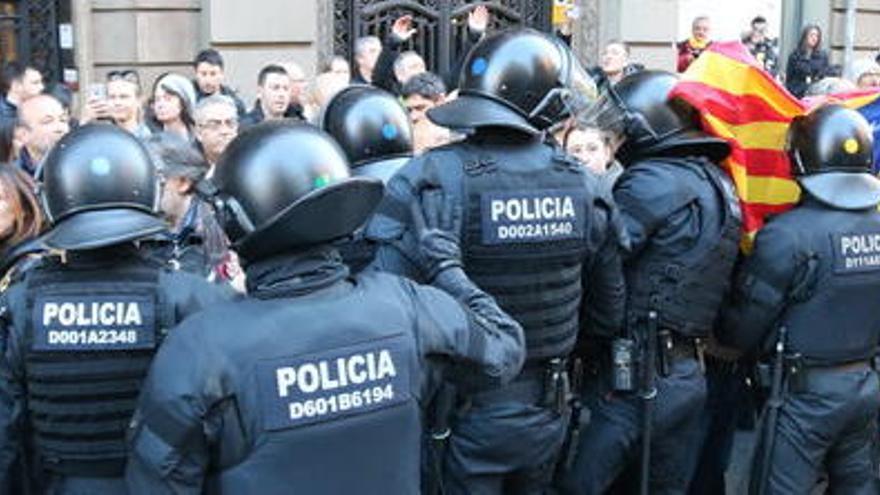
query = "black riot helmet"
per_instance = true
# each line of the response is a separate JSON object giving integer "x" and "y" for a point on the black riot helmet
{"x": 285, "y": 186}
{"x": 639, "y": 110}
{"x": 372, "y": 128}
{"x": 100, "y": 188}
{"x": 518, "y": 79}
{"x": 832, "y": 152}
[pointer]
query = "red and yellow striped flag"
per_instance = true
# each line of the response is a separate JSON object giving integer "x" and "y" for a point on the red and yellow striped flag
{"x": 742, "y": 104}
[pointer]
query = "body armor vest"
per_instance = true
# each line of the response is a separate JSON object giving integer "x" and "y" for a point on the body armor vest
{"x": 361, "y": 409}
{"x": 90, "y": 337}
{"x": 832, "y": 314}
{"x": 525, "y": 242}
{"x": 686, "y": 287}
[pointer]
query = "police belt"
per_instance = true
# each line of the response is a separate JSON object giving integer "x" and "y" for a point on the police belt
{"x": 543, "y": 383}
{"x": 85, "y": 469}
{"x": 799, "y": 374}
{"x": 673, "y": 347}
{"x": 679, "y": 347}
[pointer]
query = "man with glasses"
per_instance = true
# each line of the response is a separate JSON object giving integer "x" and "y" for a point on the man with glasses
{"x": 216, "y": 126}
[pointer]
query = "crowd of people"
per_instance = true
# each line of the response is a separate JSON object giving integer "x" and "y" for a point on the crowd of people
{"x": 384, "y": 280}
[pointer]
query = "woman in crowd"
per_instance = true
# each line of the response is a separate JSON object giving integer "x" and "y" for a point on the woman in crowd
{"x": 808, "y": 63}
{"x": 21, "y": 219}
{"x": 594, "y": 149}
{"x": 173, "y": 100}
{"x": 9, "y": 144}
{"x": 124, "y": 99}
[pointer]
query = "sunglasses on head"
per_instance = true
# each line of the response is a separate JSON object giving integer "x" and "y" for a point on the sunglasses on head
{"x": 129, "y": 75}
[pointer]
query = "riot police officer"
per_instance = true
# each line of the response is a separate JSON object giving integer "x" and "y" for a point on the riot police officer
{"x": 79, "y": 331}
{"x": 374, "y": 131}
{"x": 313, "y": 383}
{"x": 536, "y": 236}
{"x": 808, "y": 294}
{"x": 372, "y": 128}
{"x": 682, "y": 221}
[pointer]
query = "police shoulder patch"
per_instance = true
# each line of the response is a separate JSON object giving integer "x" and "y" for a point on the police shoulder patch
{"x": 531, "y": 216}
{"x": 103, "y": 322}
{"x": 856, "y": 252}
{"x": 333, "y": 384}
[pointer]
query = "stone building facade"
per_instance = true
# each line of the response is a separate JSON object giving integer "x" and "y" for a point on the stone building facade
{"x": 159, "y": 35}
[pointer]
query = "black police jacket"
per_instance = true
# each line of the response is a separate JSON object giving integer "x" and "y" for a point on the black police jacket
{"x": 314, "y": 383}
{"x": 814, "y": 269}
{"x": 537, "y": 233}
{"x": 99, "y": 314}
{"x": 683, "y": 223}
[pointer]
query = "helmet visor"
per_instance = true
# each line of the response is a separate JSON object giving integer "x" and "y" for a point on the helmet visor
{"x": 607, "y": 113}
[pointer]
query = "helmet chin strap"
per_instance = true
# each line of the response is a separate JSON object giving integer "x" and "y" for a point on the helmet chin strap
{"x": 798, "y": 162}
{"x": 232, "y": 217}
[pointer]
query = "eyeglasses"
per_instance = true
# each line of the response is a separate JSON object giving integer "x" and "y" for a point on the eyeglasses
{"x": 129, "y": 75}
{"x": 216, "y": 124}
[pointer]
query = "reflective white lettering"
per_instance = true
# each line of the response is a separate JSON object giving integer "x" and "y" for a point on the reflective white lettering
{"x": 285, "y": 377}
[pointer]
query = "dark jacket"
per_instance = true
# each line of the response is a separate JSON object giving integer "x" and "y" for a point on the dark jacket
{"x": 766, "y": 54}
{"x": 225, "y": 91}
{"x": 602, "y": 80}
{"x": 601, "y": 272}
{"x": 383, "y": 72}
{"x": 198, "y": 246}
{"x": 803, "y": 70}
{"x": 683, "y": 224}
{"x": 255, "y": 116}
{"x": 224, "y": 411}
{"x": 27, "y": 164}
{"x": 7, "y": 109}
{"x": 814, "y": 269}
{"x": 179, "y": 295}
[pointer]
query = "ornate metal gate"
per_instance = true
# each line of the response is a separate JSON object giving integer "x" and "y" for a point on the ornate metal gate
{"x": 29, "y": 33}
{"x": 441, "y": 24}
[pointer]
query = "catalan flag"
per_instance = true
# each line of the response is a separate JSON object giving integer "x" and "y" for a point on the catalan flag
{"x": 742, "y": 104}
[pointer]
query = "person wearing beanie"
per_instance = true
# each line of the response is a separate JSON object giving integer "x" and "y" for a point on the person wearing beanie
{"x": 172, "y": 104}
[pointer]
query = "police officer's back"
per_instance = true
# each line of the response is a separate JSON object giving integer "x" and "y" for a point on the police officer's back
{"x": 374, "y": 131}
{"x": 80, "y": 330}
{"x": 319, "y": 391}
{"x": 682, "y": 223}
{"x": 814, "y": 272}
{"x": 536, "y": 234}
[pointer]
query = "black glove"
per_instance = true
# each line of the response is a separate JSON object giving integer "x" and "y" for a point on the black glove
{"x": 437, "y": 221}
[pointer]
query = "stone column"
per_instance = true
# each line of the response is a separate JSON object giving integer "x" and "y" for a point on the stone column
{"x": 325, "y": 31}
{"x": 586, "y": 32}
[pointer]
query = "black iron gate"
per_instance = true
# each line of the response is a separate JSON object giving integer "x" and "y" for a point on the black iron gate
{"x": 29, "y": 33}
{"x": 441, "y": 24}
